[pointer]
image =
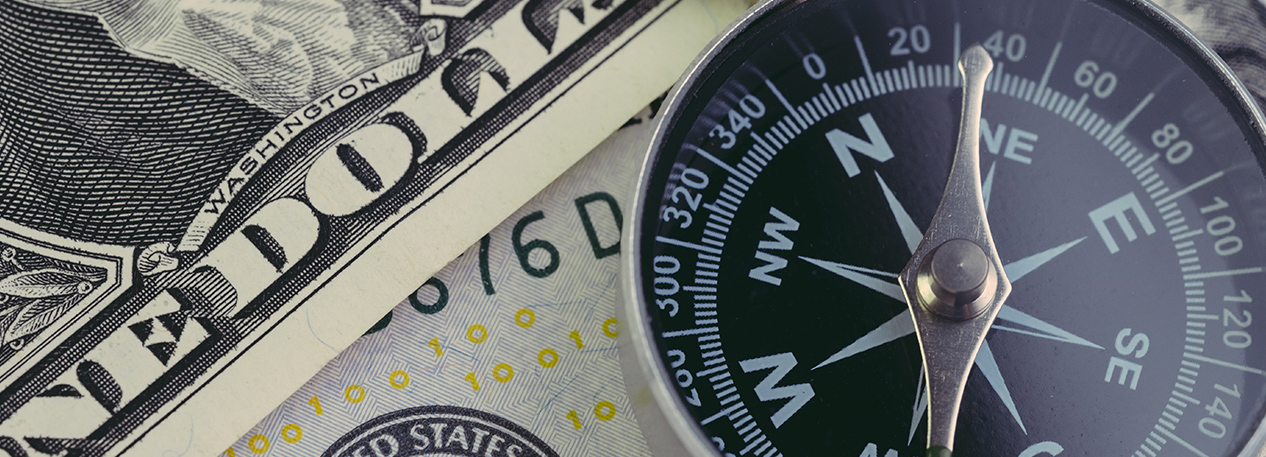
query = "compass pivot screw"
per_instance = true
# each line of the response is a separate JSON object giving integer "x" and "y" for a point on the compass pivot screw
{"x": 956, "y": 280}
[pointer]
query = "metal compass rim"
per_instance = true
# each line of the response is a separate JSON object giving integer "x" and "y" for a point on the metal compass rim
{"x": 639, "y": 357}
{"x": 645, "y": 374}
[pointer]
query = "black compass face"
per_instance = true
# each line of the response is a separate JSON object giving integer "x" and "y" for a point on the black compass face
{"x": 1125, "y": 194}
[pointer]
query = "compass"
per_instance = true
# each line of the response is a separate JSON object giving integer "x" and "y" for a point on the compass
{"x": 1005, "y": 228}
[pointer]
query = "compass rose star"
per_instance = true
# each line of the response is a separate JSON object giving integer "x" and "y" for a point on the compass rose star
{"x": 986, "y": 188}
{"x": 902, "y": 325}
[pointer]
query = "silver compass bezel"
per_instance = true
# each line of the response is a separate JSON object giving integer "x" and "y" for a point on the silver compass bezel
{"x": 661, "y": 414}
{"x": 668, "y": 430}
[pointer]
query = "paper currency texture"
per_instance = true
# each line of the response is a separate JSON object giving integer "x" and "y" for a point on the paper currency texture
{"x": 479, "y": 374}
{"x": 205, "y": 200}
{"x": 509, "y": 350}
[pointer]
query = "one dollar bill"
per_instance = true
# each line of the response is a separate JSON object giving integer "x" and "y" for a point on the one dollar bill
{"x": 508, "y": 351}
{"x": 204, "y": 201}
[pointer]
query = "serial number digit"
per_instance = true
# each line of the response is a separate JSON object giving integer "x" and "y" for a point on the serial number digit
{"x": 547, "y": 358}
{"x": 611, "y": 327}
{"x": 399, "y": 379}
{"x": 477, "y": 333}
{"x": 503, "y": 372}
{"x": 316, "y": 405}
{"x": 354, "y": 397}
{"x": 259, "y": 444}
{"x": 291, "y": 433}
{"x": 525, "y": 318}
{"x": 604, "y": 410}
{"x": 524, "y": 251}
{"x": 484, "y": 274}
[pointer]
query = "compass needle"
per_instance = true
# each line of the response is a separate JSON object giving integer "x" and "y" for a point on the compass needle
{"x": 954, "y": 284}
{"x": 812, "y": 264}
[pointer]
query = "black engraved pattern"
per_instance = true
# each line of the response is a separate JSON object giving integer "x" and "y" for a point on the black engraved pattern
{"x": 462, "y": 77}
{"x": 100, "y": 145}
{"x": 359, "y": 167}
{"x": 267, "y": 245}
{"x": 36, "y": 290}
{"x": 541, "y": 17}
{"x": 100, "y": 383}
{"x": 221, "y": 321}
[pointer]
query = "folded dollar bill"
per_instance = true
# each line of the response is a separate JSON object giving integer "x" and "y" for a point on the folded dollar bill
{"x": 204, "y": 201}
{"x": 509, "y": 350}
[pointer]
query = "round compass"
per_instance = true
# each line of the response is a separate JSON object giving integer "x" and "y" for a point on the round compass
{"x": 1006, "y": 228}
